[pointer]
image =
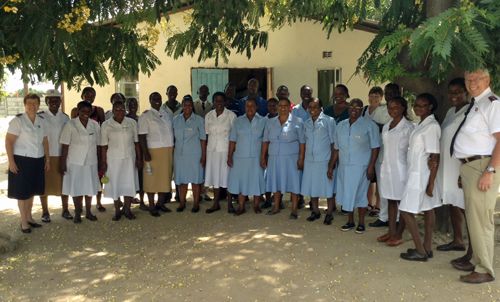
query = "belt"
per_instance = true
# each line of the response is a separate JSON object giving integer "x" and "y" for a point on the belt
{"x": 473, "y": 158}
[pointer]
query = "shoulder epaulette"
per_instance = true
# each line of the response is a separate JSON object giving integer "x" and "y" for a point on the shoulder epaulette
{"x": 492, "y": 98}
{"x": 40, "y": 112}
{"x": 19, "y": 115}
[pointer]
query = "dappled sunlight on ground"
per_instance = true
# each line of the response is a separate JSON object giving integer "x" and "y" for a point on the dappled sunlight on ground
{"x": 217, "y": 257}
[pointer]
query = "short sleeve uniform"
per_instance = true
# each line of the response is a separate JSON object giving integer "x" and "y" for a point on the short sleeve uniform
{"x": 394, "y": 169}
{"x": 246, "y": 157}
{"x": 284, "y": 148}
{"x": 120, "y": 139}
{"x": 188, "y": 136}
{"x": 29, "y": 157}
{"x": 354, "y": 143}
{"x": 54, "y": 178}
{"x": 319, "y": 135}
{"x": 81, "y": 177}
{"x": 300, "y": 112}
{"x": 218, "y": 128}
{"x": 449, "y": 167}
{"x": 424, "y": 141}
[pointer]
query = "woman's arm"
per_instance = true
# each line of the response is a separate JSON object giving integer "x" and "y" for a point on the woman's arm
{"x": 45, "y": 144}
{"x": 9, "y": 147}
{"x": 263, "y": 154}
{"x": 74, "y": 113}
{"x": 331, "y": 163}
{"x": 203, "y": 152}
{"x": 143, "y": 142}
{"x": 232, "y": 147}
{"x": 138, "y": 162}
{"x": 370, "y": 172}
{"x": 104, "y": 159}
{"x": 300, "y": 162}
{"x": 432, "y": 177}
{"x": 64, "y": 156}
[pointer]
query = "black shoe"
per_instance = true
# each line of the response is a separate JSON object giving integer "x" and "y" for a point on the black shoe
{"x": 77, "y": 219}
{"x": 66, "y": 215}
{"x": 26, "y": 231}
{"x": 207, "y": 198}
{"x": 314, "y": 216}
{"x": 301, "y": 204}
{"x": 195, "y": 210}
{"x": 347, "y": 227}
{"x": 168, "y": 197}
{"x": 360, "y": 229}
{"x": 414, "y": 256}
{"x": 378, "y": 223}
{"x": 46, "y": 218}
{"x": 430, "y": 254}
{"x": 231, "y": 211}
{"x": 344, "y": 213}
{"x": 210, "y": 211}
{"x": 294, "y": 217}
{"x": 163, "y": 208}
{"x": 34, "y": 225}
{"x": 266, "y": 205}
{"x": 328, "y": 220}
{"x": 310, "y": 206}
{"x": 91, "y": 217}
{"x": 180, "y": 209}
{"x": 282, "y": 206}
{"x": 155, "y": 213}
{"x": 144, "y": 207}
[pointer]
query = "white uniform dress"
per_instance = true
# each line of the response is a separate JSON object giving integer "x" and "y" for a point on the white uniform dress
{"x": 394, "y": 169}
{"x": 218, "y": 129}
{"x": 121, "y": 157}
{"x": 424, "y": 141}
{"x": 449, "y": 167}
{"x": 82, "y": 175}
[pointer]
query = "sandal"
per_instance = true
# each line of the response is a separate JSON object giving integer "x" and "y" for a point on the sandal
{"x": 374, "y": 212}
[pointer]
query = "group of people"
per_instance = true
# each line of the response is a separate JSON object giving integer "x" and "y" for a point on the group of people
{"x": 261, "y": 147}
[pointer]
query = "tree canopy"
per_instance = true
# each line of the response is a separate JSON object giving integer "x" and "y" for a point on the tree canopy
{"x": 74, "y": 40}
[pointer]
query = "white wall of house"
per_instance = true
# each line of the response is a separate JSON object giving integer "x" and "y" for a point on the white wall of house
{"x": 294, "y": 53}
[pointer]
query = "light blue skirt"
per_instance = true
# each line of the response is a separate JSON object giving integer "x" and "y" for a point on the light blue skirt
{"x": 352, "y": 187}
{"x": 282, "y": 174}
{"x": 246, "y": 177}
{"x": 187, "y": 169}
{"x": 315, "y": 182}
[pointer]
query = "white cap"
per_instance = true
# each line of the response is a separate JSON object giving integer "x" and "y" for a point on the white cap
{"x": 52, "y": 93}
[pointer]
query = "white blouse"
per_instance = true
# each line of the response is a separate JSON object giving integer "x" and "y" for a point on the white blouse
{"x": 82, "y": 142}
{"x": 56, "y": 123}
{"x": 30, "y": 135}
{"x": 120, "y": 138}
{"x": 218, "y": 129}
{"x": 158, "y": 127}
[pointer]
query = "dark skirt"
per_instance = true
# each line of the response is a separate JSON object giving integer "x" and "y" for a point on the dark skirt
{"x": 29, "y": 180}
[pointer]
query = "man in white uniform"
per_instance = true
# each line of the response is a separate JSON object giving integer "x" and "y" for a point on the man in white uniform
{"x": 476, "y": 145}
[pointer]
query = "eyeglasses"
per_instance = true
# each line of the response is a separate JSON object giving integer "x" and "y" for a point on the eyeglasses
{"x": 420, "y": 105}
{"x": 475, "y": 81}
{"x": 356, "y": 108}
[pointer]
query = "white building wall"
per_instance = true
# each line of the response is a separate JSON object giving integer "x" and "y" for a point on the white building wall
{"x": 294, "y": 53}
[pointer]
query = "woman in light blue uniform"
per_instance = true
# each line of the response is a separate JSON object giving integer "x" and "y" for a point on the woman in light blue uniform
{"x": 246, "y": 176}
{"x": 357, "y": 143}
{"x": 285, "y": 141}
{"x": 317, "y": 180}
{"x": 189, "y": 153}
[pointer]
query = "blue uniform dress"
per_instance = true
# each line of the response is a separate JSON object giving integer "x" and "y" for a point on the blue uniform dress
{"x": 300, "y": 112}
{"x": 187, "y": 153}
{"x": 247, "y": 176}
{"x": 261, "y": 105}
{"x": 355, "y": 143}
{"x": 284, "y": 148}
{"x": 320, "y": 136}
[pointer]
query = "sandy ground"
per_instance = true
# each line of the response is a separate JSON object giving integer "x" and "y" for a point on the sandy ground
{"x": 218, "y": 257}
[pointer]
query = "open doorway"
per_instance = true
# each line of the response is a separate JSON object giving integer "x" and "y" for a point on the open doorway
{"x": 217, "y": 78}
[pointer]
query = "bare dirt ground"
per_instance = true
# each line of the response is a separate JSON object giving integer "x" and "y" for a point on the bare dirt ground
{"x": 218, "y": 257}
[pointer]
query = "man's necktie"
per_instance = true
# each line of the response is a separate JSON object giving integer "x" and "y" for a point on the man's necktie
{"x": 203, "y": 105}
{"x": 461, "y": 124}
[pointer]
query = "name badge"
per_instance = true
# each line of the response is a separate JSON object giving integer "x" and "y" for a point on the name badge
{"x": 318, "y": 129}
{"x": 357, "y": 136}
{"x": 284, "y": 134}
{"x": 256, "y": 128}
{"x": 190, "y": 129}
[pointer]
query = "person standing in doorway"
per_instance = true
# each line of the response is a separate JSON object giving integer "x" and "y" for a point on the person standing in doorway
{"x": 202, "y": 105}
{"x": 253, "y": 93}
